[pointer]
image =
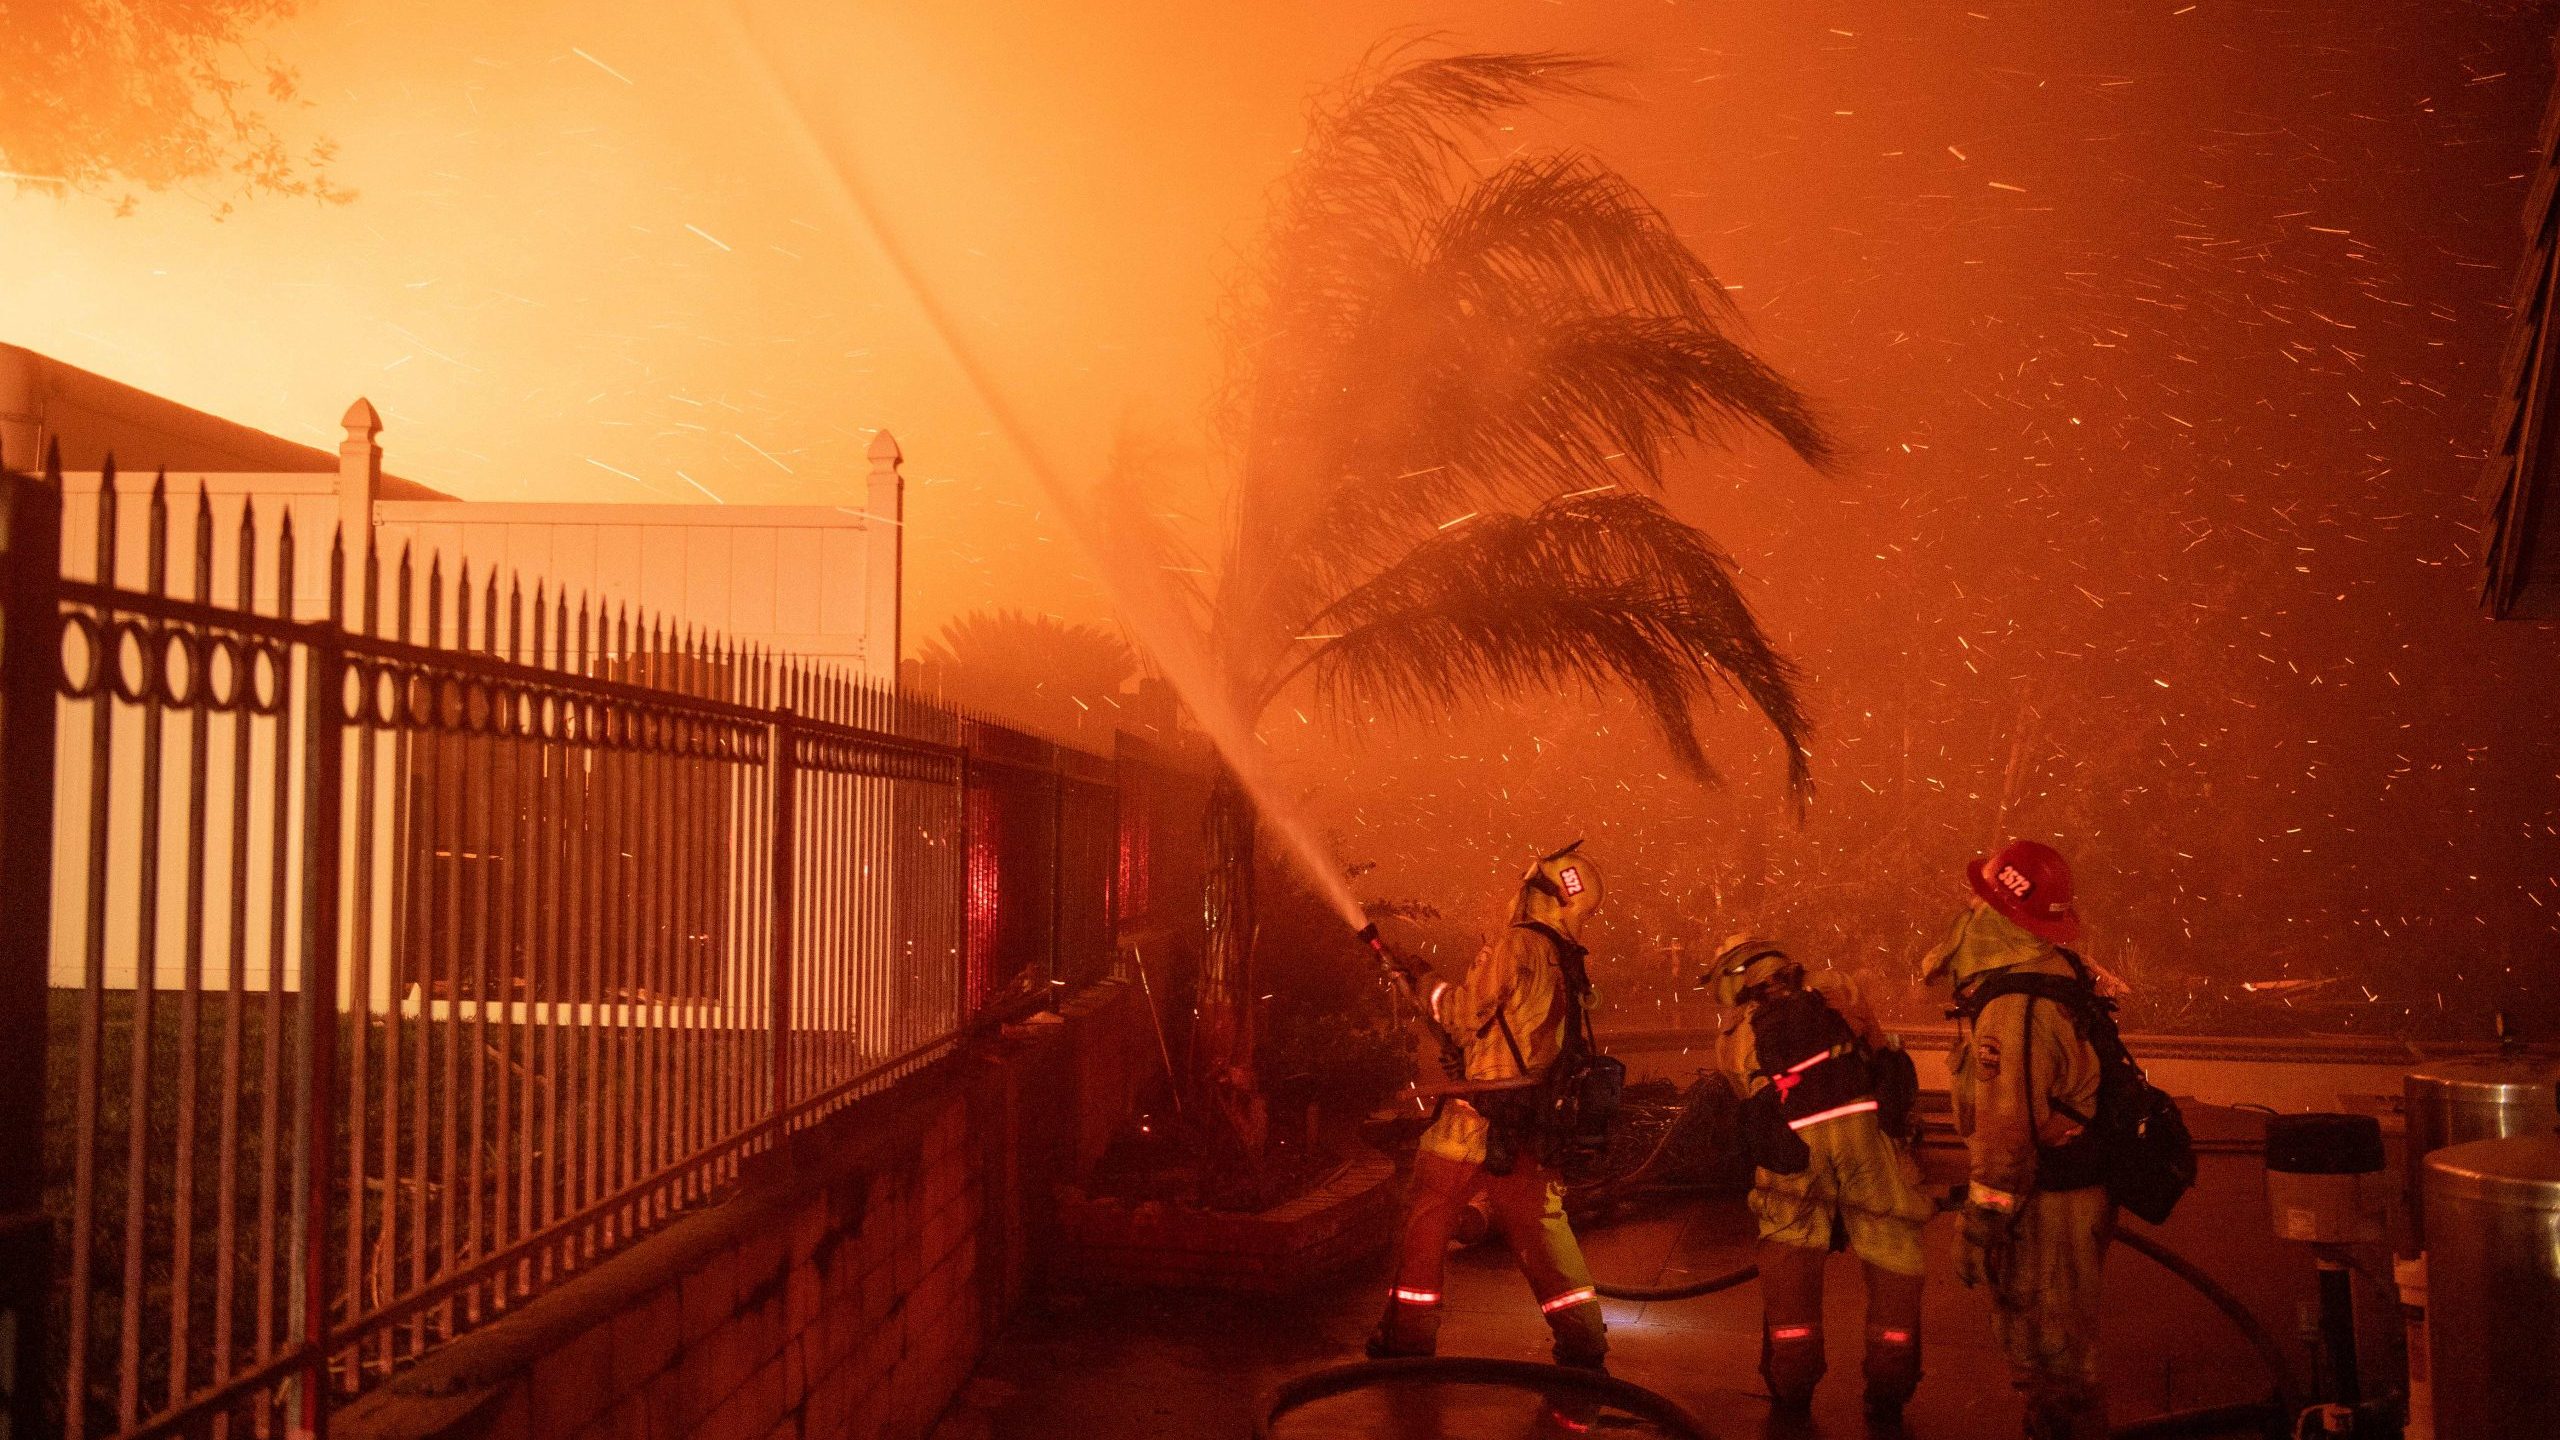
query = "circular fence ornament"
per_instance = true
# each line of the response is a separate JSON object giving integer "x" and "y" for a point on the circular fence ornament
{"x": 178, "y": 679}
{"x": 83, "y": 652}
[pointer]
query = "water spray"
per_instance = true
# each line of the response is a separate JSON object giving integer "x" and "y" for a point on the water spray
{"x": 1144, "y": 601}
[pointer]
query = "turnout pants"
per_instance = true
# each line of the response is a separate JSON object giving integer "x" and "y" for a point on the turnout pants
{"x": 1528, "y": 1212}
{"x": 1863, "y": 1187}
{"x": 2044, "y": 1310}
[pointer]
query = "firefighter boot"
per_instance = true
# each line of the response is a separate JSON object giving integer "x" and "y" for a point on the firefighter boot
{"x": 1791, "y": 1359}
{"x": 1581, "y": 1343}
{"x": 1893, "y": 1347}
{"x": 1434, "y": 1198}
{"x": 1411, "y": 1326}
{"x": 1581, "y": 1336}
{"x": 1574, "y": 1412}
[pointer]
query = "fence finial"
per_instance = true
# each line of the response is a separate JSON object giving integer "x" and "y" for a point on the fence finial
{"x": 884, "y": 516}
{"x": 359, "y": 467}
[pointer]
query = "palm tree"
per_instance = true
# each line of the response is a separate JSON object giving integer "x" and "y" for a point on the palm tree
{"x": 1034, "y": 672}
{"x": 1456, "y": 386}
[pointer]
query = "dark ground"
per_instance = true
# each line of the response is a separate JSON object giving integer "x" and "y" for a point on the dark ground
{"x": 1143, "y": 1364}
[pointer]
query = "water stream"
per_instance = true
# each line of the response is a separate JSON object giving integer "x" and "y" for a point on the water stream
{"x": 1153, "y": 614}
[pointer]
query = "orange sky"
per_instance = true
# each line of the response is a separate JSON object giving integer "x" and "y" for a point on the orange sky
{"x": 588, "y": 237}
{"x": 2159, "y": 336}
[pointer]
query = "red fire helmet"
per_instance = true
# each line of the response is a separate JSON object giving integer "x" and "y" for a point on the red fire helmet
{"x": 2031, "y": 884}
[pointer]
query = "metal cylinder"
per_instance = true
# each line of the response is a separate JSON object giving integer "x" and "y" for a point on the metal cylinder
{"x": 2459, "y": 1100}
{"x": 2493, "y": 1287}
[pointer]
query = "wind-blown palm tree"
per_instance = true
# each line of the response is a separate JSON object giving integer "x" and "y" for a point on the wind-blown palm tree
{"x": 1456, "y": 386}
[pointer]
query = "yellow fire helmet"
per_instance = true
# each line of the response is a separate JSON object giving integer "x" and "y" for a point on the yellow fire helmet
{"x": 1561, "y": 890}
{"x": 1743, "y": 961}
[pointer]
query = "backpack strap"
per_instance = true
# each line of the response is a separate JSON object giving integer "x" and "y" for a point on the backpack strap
{"x": 2027, "y": 1070}
{"x": 1570, "y": 954}
{"x": 2073, "y": 994}
{"x": 1510, "y": 1042}
{"x": 2079, "y": 1001}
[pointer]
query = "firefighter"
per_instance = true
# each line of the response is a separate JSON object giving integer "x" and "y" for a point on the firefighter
{"x": 2024, "y": 1080}
{"x": 1814, "y": 1052}
{"x": 1507, "y": 1013}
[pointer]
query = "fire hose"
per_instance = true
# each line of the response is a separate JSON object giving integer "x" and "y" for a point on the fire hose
{"x": 1597, "y": 1385}
{"x": 2286, "y": 1388}
{"x": 1672, "y": 1418}
{"x": 1636, "y": 1400}
{"x": 2283, "y": 1403}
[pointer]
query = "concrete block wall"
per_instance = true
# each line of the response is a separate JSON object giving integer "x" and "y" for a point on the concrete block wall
{"x": 845, "y": 1290}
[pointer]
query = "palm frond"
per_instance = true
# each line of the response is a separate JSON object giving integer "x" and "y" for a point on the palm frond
{"x": 1382, "y": 152}
{"x": 1541, "y": 330}
{"x": 1506, "y": 416}
{"x": 1604, "y": 593}
{"x": 1537, "y": 220}
{"x": 985, "y": 657}
{"x": 1426, "y": 345}
{"x": 1384, "y": 141}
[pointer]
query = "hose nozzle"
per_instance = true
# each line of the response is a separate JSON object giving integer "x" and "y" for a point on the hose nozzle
{"x": 1407, "y": 970}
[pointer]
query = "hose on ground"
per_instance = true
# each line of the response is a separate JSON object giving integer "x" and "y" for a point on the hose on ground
{"x": 1603, "y": 1192}
{"x": 1689, "y": 1291}
{"x": 2288, "y": 1393}
{"x": 1607, "y": 1389}
{"x": 2204, "y": 1420}
{"x": 2285, "y": 1401}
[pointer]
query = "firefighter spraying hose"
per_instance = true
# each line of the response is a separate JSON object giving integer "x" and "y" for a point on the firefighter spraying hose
{"x": 1522, "y": 1079}
{"x": 1829, "y": 1122}
{"x": 1515, "y": 1035}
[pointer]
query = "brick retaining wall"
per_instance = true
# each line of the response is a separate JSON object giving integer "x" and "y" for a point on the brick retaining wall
{"x": 845, "y": 1290}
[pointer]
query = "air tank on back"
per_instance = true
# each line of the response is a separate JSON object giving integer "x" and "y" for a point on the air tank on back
{"x": 2493, "y": 1282}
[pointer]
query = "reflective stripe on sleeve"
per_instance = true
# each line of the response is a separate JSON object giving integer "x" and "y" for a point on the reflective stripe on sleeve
{"x": 1990, "y": 1199}
{"x": 1417, "y": 1297}
{"x": 1789, "y": 1332}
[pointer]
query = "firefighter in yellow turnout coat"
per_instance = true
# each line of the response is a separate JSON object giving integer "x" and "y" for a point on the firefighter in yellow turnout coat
{"x": 1508, "y": 1012}
{"x": 1815, "y": 1045}
{"x": 2024, "y": 1082}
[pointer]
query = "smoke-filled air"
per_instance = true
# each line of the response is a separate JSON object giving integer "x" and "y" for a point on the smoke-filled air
{"x": 1793, "y": 449}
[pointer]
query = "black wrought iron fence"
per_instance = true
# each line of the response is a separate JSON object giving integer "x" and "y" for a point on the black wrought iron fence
{"x": 393, "y": 960}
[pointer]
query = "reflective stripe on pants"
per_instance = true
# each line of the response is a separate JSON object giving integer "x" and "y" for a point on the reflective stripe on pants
{"x": 1528, "y": 1212}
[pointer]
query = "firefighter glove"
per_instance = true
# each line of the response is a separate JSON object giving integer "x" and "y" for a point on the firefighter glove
{"x": 1989, "y": 1238}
